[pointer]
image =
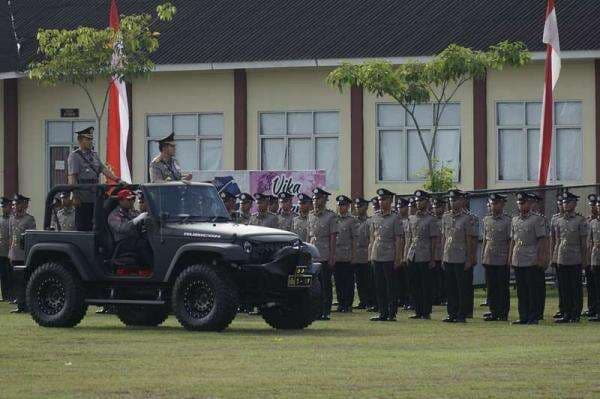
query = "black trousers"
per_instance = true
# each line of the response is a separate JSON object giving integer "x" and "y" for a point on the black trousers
{"x": 344, "y": 282}
{"x": 573, "y": 287}
{"x": 5, "y": 278}
{"x": 498, "y": 283}
{"x": 527, "y": 292}
{"x": 561, "y": 300}
{"x": 457, "y": 287}
{"x": 326, "y": 289}
{"x": 591, "y": 292}
{"x": 487, "y": 285}
{"x": 596, "y": 289}
{"x": 421, "y": 280}
{"x": 139, "y": 246}
{"x": 364, "y": 283}
{"x": 385, "y": 289}
{"x": 84, "y": 216}
{"x": 402, "y": 290}
{"x": 469, "y": 291}
{"x": 18, "y": 287}
{"x": 540, "y": 277}
{"x": 439, "y": 284}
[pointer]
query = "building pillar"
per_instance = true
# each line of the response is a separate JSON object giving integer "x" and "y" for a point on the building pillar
{"x": 240, "y": 111}
{"x": 480, "y": 149}
{"x": 129, "y": 87}
{"x": 597, "y": 120}
{"x": 357, "y": 134}
{"x": 11, "y": 137}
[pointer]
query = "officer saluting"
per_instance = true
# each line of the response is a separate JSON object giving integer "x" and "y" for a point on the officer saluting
{"x": 300, "y": 222}
{"x": 285, "y": 219}
{"x": 85, "y": 167}
{"x": 246, "y": 201}
{"x": 263, "y": 217}
{"x": 165, "y": 167}
{"x": 322, "y": 233}
{"x": 344, "y": 275}
{"x": 496, "y": 242}
{"x": 571, "y": 234}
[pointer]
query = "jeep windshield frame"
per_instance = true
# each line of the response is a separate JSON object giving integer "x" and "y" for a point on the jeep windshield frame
{"x": 185, "y": 202}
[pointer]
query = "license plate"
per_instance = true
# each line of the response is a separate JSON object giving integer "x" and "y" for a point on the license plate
{"x": 299, "y": 281}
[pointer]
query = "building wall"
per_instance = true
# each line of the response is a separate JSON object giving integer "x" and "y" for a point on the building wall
{"x": 526, "y": 84}
{"x": 181, "y": 92}
{"x": 297, "y": 90}
{"x": 2, "y": 139}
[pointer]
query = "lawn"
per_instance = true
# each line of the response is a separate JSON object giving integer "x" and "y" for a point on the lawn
{"x": 346, "y": 357}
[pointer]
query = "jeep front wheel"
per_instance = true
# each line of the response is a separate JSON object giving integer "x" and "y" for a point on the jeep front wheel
{"x": 299, "y": 311}
{"x": 55, "y": 296}
{"x": 203, "y": 299}
{"x": 142, "y": 316}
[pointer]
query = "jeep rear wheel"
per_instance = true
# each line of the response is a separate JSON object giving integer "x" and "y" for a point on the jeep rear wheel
{"x": 300, "y": 310}
{"x": 142, "y": 316}
{"x": 203, "y": 299}
{"x": 55, "y": 296}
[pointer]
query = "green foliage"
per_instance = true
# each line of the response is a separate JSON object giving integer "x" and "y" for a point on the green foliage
{"x": 438, "y": 180}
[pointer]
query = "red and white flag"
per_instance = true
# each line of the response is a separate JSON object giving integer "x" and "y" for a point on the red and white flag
{"x": 552, "y": 71}
{"x": 118, "y": 112}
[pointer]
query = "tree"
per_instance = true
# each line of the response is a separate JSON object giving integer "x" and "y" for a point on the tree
{"x": 436, "y": 81}
{"x": 84, "y": 55}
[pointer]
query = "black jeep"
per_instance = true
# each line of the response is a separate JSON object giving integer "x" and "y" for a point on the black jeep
{"x": 204, "y": 265}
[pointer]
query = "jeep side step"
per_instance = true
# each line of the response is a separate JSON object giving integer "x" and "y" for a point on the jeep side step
{"x": 123, "y": 302}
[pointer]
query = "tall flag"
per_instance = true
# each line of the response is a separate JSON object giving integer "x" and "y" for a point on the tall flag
{"x": 552, "y": 71}
{"x": 118, "y": 111}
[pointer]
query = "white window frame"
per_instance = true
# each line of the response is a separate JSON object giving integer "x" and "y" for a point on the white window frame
{"x": 524, "y": 128}
{"x": 197, "y": 137}
{"x": 73, "y": 144}
{"x": 404, "y": 134}
{"x": 286, "y": 137}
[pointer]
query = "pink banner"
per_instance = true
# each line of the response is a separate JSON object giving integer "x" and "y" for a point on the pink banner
{"x": 275, "y": 182}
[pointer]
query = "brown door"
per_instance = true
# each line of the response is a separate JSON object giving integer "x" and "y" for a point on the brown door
{"x": 58, "y": 165}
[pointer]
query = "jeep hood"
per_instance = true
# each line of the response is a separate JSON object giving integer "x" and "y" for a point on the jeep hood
{"x": 228, "y": 231}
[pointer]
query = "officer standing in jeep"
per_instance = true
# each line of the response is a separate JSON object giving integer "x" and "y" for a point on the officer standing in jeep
{"x": 164, "y": 167}
{"x": 85, "y": 167}
{"x": 263, "y": 217}
{"x": 300, "y": 222}
{"x": 322, "y": 233}
{"x": 19, "y": 223}
{"x": 285, "y": 218}
{"x": 6, "y": 205}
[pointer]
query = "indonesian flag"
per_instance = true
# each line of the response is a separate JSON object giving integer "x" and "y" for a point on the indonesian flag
{"x": 118, "y": 112}
{"x": 552, "y": 70}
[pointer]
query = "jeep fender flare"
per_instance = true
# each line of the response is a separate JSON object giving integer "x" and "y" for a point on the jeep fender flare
{"x": 71, "y": 251}
{"x": 227, "y": 251}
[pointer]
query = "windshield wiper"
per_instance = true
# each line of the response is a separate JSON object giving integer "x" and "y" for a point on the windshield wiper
{"x": 220, "y": 218}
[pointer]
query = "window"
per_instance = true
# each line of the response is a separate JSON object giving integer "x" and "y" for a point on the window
{"x": 518, "y": 129}
{"x": 300, "y": 141}
{"x": 401, "y": 154}
{"x": 199, "y": 139}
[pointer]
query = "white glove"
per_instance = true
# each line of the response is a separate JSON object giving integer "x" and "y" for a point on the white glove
{"x": 136, "y": 220}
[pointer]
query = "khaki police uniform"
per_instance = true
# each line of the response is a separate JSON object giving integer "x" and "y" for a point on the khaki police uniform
{"x": 4, "y": 262}
{"x": 343, "y": 273}
{"x": 88, "y": 167}
{"x": 360, "y": 260}
{"x": 438, "y": 286}
{"x": 496, "y": 243}
{"x": 300, "y": 226}
{"x": 571, "y": 235}
{"x": 594, "y": 262}
{"x": 285, "y": 221}
{"x": 554, "y": 260}
{"x": 162, "y": 170}
{"x": 65, "y": 217}
{"x": 266, "y": 219}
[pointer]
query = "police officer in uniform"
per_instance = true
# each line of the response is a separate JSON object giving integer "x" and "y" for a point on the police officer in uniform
{"x": 387, "y": 235}
{"x": 458, "y": 229}
{"x": 300, "y": 222}
{"x": 593, "y": 261}
{"x": 403, "y": 291}
{"x": 263, "y": 217}
{"x": 85, "y": 167}
{"x": 344, "y": 274}
{"x": 6, "y": 206}
{"x": 20, "y": 222}
{"x": 229, "y": 201}
{"x": 273, "y": 204}
{"x": 528, "y": 251}
{"x": 322, "y": 233}
{"x": 285, "y": 217}
{"x": 65, "y": 216}
{"x": 375, "y": 205}
{"x": 412, "y": 207}
{"x": 571, "y": 233}
{"x": 541, "y": 272}
{"x": 554, "y": 258}
{"x": 164, "y": 167}
{"x": 439, "y": 280}
{"x": 244, "y": 214}
{"x": 496, "y": 243}
{"x": 592, "y": 310}
{"x": 360, "y": 255}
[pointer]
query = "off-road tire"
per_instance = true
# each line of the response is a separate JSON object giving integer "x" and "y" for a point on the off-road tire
{"x": 142, "y": 316}
{"x": 55, "y": 296}
{"x": 301, "y": 309}
{"x": 204, "y": 299}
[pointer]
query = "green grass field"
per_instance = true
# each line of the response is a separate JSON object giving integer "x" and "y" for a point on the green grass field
{"x": 346, "y": 357}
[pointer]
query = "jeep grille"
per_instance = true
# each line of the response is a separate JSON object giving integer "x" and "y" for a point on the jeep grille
{"x": 264, "y": 252}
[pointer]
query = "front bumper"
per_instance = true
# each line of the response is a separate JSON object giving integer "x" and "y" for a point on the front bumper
{"x": 285, "y": 263}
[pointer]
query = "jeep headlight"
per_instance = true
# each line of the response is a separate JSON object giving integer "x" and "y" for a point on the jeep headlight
{"x": 247, "y": 247}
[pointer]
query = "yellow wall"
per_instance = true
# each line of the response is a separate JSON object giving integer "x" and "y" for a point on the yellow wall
{"x": 464, "y": 96}
{"x": 526, "y": 84}
{"x": 180, "y": 92}
{"x": 297, "y": 90}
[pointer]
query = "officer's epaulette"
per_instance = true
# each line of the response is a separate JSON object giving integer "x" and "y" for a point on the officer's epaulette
{"x": 156, "y": 159}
